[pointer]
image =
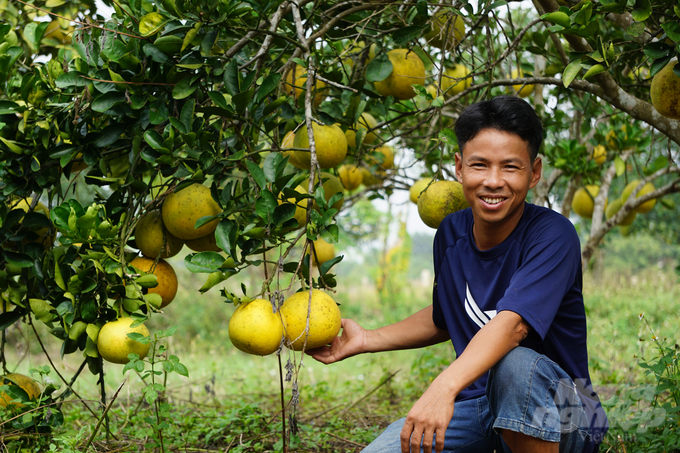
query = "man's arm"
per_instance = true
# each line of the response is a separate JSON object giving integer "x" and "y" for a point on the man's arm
{"x": 416, "y": 331}
{"x": 433, "y": 411}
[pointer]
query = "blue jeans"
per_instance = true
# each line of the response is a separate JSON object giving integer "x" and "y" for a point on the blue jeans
{"x": 526, "y": 392}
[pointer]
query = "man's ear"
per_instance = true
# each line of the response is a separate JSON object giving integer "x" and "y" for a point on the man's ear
{"x": 536, "y": 171}
{"x": 459, "y": 167}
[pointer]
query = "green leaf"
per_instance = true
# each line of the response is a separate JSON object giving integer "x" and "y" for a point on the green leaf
{"x": 188, "y": 38}
{"x": 183, "y": 89}
{"x": 158, "y": 112}
{"x": 225, "y": 235}
{"x": 594, "y": 70}
{"x": 642, "y": 10}
{"x": 232, "y": 78}
{"x": 105, "y": 101}
{"x": 181, "y": 369}
{"x": 379, "y": 68}
{"x": 672, "y": 29}
{"x": 209, "y": 41}
{"x": 570, "y": 72}
{"x": 109, "y": 135}
{"x": 220, "y": 99}
{"x": 636, "y": 29}
{"x": 557, "y": 18}
{"x": 113, "y": 48}
{"x": 153, "y": 138}
{"x": 42, "y": 310}
{"x": 216, "y": 278}
{"x": 187, "y": 115}
{"x": 620, "y": 166}
{"x": 18, "y": 259}
{"x": 659, "y": 64}
{"x": 405, "y": 35}
{"x": 71, "y": 79}
{"x": 9, "y": 318}
{"x": 448, "y": 136}
{"x": 265, "y": 205}
{"x": 152, "y": 23}
{"x": 326, "y": 266}
{"x": 271, "y": 164}
{"x": 204, "y": 262}
{"x": 12, "y": 145}
{"x": 257, "y": 173}
{"x": 171, "y": 7}
{"x": 284, "y": 212}
{"x": 269, "y": 84}
{"x": 156, "y": 54}
{"x": 656, "y": 50}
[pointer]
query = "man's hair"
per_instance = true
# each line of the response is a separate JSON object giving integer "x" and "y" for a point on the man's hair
{"x": 504, "y": 113}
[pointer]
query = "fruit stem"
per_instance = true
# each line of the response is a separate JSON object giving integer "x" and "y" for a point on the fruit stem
{"x": 283, "y": 405}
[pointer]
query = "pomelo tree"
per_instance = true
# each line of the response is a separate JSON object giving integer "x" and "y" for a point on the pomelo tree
{"x": 102, "y": 118}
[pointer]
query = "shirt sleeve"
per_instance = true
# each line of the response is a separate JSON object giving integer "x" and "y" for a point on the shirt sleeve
{"x": 438, "y": 252}
{"x": 551, "y": 263}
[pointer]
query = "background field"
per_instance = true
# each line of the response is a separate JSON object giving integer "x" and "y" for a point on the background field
{"x": 231, "y": 401}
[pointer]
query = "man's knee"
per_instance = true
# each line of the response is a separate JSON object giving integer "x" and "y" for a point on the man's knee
{"x": 515, "y": 369}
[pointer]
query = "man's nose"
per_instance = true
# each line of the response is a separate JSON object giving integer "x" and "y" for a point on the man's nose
{"x": 494, "y": 178}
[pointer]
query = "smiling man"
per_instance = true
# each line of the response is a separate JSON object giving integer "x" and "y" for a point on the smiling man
{"x": 507, "y": 294}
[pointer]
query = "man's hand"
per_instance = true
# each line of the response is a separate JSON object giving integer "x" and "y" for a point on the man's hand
{"x": 351, "y": 342}
{"x": 431, "y": 415}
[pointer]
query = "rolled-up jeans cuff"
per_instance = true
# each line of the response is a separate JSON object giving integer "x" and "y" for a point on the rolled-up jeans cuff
{"x": 544, "y": 405}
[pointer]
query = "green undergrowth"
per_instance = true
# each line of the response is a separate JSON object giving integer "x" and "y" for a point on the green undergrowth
{"x": 232, "y": 401}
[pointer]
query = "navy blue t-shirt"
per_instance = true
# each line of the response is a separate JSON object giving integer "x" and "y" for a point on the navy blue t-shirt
{"x": 536, "y": 273}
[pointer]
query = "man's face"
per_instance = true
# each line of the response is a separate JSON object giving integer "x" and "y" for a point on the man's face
{"x": 496, "y": 172}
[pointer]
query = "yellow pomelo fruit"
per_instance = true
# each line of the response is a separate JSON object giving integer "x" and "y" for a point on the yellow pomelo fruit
{"x": 386, "y": 159}
{"x": 206, "y": 243}
{"x": 331, "y": 146}
{"x": 324, "y": 320}
{"x": 300, "y": 206}
{"x": 254, "y": 328}
{"x": 583, "y": 202}
{"x": 599, "y": 154}
{"x": 521, "y": 90}
{"x": 614, "y": 207}
{"x": 165, "y": 274}
{"x": 437, "y": 34}
{"x": 645, "y": 207}
{"x": 331, "y": 185}
{"x": 611, "y": 136}
{"x": 439, "y": 200}
{"x": 351, "y": 176}
{"x": 29, "y": 385}
{"x": 114, "y": 345}
{"x": 366, "y": 122}
{"x": 182, "y": 209}
{"x": 43, "y": 234}
{"x": 407, "y": 69}
{"x": 295, "y": 83}
{"x": 417, "y": 188}
{"x": 432, "y": 90}
{"x": 665, "y": 92}
{"x": 149, "y": 237}
{"x": 287, "y": 142}
{"x": 323, "y": 251}
{"x": 370, "y": 179}
{"x": 456, "y": 79}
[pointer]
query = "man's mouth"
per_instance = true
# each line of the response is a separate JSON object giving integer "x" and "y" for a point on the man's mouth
{"x": 492, "y": 200}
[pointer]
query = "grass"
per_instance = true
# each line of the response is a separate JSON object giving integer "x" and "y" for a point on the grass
{"x": 231, "y": 401}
